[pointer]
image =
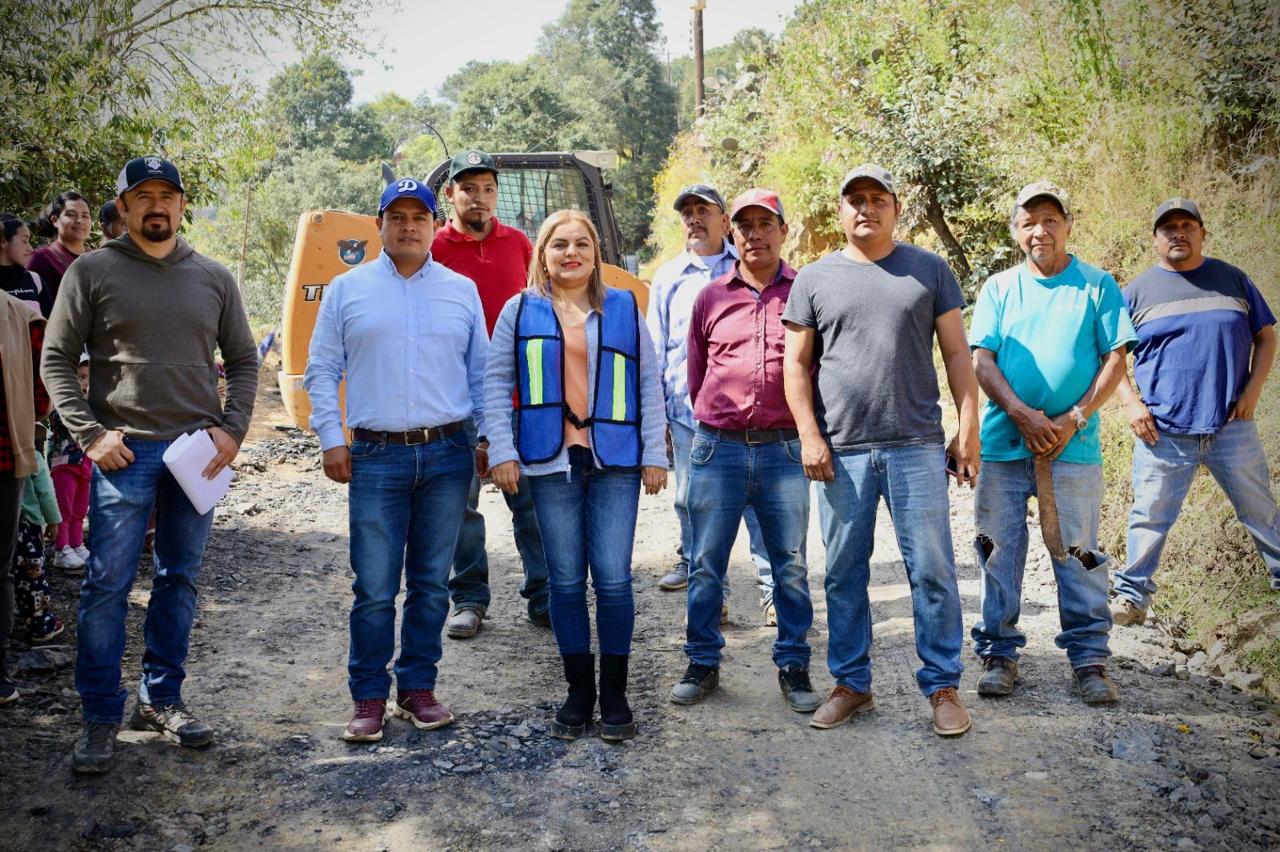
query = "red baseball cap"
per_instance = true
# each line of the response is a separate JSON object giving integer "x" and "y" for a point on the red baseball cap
{"x": 757, "y": 197}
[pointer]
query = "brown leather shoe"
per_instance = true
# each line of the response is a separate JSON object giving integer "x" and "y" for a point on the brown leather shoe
{"x": 840, "y": 707}
{"x": 366, "y": 724}
{"x": 420, "y": 707}
{"x": 950, "y": 718}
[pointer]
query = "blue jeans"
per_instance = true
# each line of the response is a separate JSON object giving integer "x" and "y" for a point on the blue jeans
{"x": 588, "y": 522}
{"x": 1000, "y": 507}
{"x": 120, "y": 505}
{"x": 1162, "y": 475}
{"x": 681, "y": 443}
{"x": 405, "y": 506}
{"x": 469, "y": 585}
{"x": 913, "y": 482}
{"x": 725, "y": 478}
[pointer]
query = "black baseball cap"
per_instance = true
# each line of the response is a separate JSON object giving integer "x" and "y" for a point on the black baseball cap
{"x": 473, "y": 160}
{"x": 108, "y": 213}
{"x": 1176, "y": 205}
{"x": 142, "y": 169}
{"x": 699, "y": 190}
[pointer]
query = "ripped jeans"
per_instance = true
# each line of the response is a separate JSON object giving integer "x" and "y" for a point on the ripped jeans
{"x": 1000, "y": 507}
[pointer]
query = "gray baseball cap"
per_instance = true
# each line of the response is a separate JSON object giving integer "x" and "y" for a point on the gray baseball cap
{"x": 1184, "y": 205}
{"x": 1044, "y": 189}
{"x": 879, "y": 174}
{"x": 699, "y": 190}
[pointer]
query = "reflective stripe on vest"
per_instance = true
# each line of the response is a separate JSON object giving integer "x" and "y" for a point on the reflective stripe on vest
{"x": 539, "y": 354}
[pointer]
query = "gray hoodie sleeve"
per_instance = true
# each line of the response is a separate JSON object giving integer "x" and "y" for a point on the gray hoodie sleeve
{"x": 239, "y": 360}
{"x": 653, "y": 405}
{"x": 499, "y": 383}
{"x": 64, "y": 340}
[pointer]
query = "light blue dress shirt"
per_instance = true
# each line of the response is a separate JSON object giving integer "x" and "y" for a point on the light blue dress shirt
{"x": 676, "y": 284}
{"x": 412, "y": 351}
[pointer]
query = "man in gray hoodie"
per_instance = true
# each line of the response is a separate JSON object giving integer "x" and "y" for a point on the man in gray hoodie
{"x": 150, "y": 311}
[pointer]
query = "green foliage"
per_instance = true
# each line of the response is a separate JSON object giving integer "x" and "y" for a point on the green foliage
{"x": 511, "y": 106}
{"x": 313, "y": 101}
{"x": 634, "y": 108}
{"x": 92, "y": 83}
{"x": 317, "y": 181}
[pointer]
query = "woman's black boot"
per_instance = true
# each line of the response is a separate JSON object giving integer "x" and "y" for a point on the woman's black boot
{"x": 616, "y": 721}
{"x": 574, "y": 715}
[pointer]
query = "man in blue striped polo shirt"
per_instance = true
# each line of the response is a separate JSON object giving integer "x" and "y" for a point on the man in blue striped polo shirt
{"x": 676, "y": 284}
{"x": 1206, "y": 341}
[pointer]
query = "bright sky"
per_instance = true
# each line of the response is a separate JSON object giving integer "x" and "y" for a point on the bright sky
{"x": 416, "y": 57}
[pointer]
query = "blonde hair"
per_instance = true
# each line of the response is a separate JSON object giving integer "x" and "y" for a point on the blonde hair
{"x": 540, "y": 280}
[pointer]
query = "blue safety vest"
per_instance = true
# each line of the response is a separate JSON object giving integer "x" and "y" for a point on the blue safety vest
{"x": 541, "y": 409}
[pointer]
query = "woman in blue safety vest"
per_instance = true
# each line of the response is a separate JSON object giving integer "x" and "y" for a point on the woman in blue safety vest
{"x": 589, "y": 426}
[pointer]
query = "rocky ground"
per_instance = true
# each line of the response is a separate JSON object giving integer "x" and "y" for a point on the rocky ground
{"x": 1189, "y": 759}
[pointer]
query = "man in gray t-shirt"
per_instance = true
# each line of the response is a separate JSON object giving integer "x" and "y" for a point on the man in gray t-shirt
{"x": 874, "y": 322}
{"x": 870, "y": 426}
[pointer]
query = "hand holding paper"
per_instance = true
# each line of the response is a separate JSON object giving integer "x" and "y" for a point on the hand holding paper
{"x": 187, "y": 458}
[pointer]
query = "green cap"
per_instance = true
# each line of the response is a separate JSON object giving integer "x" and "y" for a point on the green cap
{"x": 471, "y": 161}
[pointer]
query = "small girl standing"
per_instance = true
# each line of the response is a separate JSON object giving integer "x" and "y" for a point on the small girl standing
{"x": 30, "y": 583}
{"x": 71, "y": 470}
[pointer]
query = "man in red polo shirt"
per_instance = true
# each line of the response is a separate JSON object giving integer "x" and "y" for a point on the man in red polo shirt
{"x": 746, "y": 452}
{"x": 496, "y": 257}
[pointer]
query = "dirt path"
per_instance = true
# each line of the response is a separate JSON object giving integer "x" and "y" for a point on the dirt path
{"x": 1178, "y": 764}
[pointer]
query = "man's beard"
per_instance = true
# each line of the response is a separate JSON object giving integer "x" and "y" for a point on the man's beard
{"x": 156, "y": 232}
{"x": 473, "y": 221}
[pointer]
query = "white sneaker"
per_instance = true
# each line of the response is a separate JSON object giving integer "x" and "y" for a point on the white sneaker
{"x": 83, "y": 553}
{"x": 68, "y": 560}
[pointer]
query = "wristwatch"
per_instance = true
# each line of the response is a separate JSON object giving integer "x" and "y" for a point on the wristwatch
{"x": 1078, "y": 416}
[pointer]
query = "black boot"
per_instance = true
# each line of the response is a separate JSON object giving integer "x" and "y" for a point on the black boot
{"x": 575, "y": 714}
{"x": 616, "y": 721}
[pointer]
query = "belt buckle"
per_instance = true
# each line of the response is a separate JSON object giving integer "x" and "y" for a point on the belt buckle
{"x": 752, "y": 443}
{"x": 409, "y": 437}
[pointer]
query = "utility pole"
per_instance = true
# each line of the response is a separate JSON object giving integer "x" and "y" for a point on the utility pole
{"x": 699, "y": 91}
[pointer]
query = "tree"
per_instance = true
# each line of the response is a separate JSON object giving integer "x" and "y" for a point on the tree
{"x": 313, "y": 100}
{"x": 515, "y": 107}
{"x": 317, "y": 181}
{"x": 608, "y": 47}
{"x": 92, "y": 83}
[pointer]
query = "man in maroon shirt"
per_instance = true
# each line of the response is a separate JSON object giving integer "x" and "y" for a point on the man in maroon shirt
{"x": 746, "y": 452}
{"x": 496, "y": 257}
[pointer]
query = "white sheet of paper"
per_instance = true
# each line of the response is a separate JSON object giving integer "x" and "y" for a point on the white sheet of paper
{"x": 186, "y": 458}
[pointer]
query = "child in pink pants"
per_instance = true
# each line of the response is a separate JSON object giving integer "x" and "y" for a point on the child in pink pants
{"x": 71, "y": 470}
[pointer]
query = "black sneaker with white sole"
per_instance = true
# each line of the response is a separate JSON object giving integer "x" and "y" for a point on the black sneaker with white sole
{"x": 8, "y": 691}
{"x": 172, "y": 720}
{"x": 798, "y": 689}
{"x": 698, "y": 680}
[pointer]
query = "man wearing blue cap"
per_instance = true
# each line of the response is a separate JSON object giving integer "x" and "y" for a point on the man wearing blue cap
{"x": 150, "y": 312}
{"x": 409, "y": 336}
{"x": 1206, "y": 343}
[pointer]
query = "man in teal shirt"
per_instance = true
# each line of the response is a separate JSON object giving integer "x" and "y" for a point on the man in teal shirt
{"x": 1049, "y": 339}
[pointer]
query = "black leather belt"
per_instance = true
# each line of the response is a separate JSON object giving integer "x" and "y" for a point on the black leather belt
{"x": 409, "y": 439}
{"x": 755, "y": 436}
